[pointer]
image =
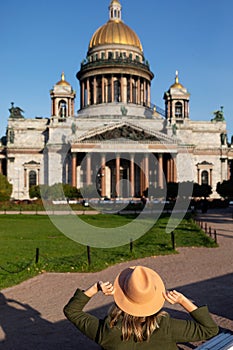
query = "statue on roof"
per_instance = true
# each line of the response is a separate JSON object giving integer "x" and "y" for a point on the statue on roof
{"x": 15, "y": 112}
{"x": 218, "y": 116}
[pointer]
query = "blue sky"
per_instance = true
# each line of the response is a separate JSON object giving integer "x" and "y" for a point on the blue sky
{"x": 40, "y": 39}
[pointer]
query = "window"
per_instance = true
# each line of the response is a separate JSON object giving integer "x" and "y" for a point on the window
{"x": 32, "y": 178}
{"x": 116, "y": 91}
{"x": 62, "y": 109}
{"x": 178, "y": 110}
{"x": 204, "y": 177}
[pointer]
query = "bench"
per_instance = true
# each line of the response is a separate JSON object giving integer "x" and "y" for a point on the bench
{"x": 222, "y": 341}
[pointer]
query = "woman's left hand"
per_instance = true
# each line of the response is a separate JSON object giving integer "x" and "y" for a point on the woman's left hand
{"x": 106, "y": 288}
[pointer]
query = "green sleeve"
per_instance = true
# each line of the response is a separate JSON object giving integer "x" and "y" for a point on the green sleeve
{"x": 85, "y": 322}
{"x": 200, "y": 328}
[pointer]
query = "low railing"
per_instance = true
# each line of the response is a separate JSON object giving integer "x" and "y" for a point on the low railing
{"x": 115, "y": 61}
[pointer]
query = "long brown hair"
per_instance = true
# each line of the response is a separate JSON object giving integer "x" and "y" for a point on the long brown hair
{"x": 140, "y": 328}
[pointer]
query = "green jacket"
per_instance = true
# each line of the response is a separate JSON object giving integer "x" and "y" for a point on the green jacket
{"x": 170, "y": 331}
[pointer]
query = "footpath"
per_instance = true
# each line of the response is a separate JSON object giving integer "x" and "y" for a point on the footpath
{"x": 31, "y": 313}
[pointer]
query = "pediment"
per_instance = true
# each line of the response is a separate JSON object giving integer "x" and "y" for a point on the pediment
{"x": 125, "y": 132}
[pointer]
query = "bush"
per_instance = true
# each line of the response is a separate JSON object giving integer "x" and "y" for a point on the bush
{"x": 5, "y": 188}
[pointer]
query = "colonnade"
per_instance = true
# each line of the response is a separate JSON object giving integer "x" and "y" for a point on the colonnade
{"x": 109, "y": 88}
{"x": 121, "y": 174}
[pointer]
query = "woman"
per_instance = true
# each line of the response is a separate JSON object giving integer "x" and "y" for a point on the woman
{"x": 136, "y": 320}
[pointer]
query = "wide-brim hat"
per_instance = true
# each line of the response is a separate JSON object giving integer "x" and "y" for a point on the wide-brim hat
{"x": 138, "y": 291}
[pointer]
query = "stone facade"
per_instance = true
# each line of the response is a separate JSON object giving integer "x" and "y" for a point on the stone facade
{"x": 118, "y": 141}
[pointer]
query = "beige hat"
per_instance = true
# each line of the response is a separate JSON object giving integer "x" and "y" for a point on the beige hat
{"x": 138, "y": 291}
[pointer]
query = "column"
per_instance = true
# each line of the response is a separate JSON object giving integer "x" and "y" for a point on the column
{"x": 103, "y": 98}
{"x": 198, "y": 176}
{"x": 146, "y": 170}
{"x": 138, "y": 91}
{"x": 112, "y": 89}
{"x": 88, "y": 169}
{"x": 95, "y": 90}
{"x": 38, "y": 176}
{"x": 142, "y": 177}
{"x": 25, "y": 177}
{"x": 88, "y": 91}
{"x": 103, "y": 177}
{"x": 168, "y": 170}
{"x": 122, "y": 89}
{"x": 223, "y": 169}
{"x": 117, "y": 175}
{"x": 131, "y": 89}
{"x": 132, "y": 185}
{"x": 160, "y": 170}
{"x": 144, "y": 92}
{"x": 148, "y": 94}
{"x": 83, "y": 94}
{"x": 74, "y": 169}
{"x": 211, "y": 177}
{"x": 174, "y": 169}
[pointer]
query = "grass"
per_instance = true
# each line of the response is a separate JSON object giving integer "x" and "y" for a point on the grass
{"x": 20, "y": 235}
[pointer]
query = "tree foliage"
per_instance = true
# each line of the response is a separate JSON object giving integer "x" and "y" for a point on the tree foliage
{"x": 201, "y": 190}
{"x": 57, "y": 191}
{"x": 225, "y": 189}
{"x": 5, "y": 188}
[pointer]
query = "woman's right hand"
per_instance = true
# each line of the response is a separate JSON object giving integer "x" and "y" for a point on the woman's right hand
{"x": 174, "y": 297}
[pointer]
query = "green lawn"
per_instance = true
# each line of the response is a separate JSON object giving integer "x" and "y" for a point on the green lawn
{"x": 20, "y": 235}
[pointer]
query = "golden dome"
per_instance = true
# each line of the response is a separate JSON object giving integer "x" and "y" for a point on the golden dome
{"x": 177, "y": 84}
{"x": 63, "y": 82}
{"x": 115, "y": 32}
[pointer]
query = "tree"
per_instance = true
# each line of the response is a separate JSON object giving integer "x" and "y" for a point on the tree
{"x": 34, "y": 192}
{"x": 201, "y": 190}
{"x": 225, "y": 189}
{"x": 5, "y": 188}
{"x": 172, "y": 190}
{"x": 56, "y": 191}
{"x": 71, "y": 191}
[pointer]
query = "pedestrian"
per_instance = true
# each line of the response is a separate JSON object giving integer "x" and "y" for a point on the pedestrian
{"x": 136, "y": 320}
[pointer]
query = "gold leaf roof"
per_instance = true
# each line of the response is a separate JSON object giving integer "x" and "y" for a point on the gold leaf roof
{"x": 63, "y": 82}
{"x": 115, "y": 32}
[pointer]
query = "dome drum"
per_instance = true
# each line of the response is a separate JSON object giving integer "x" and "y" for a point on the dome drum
{"x": 115, "y": 65}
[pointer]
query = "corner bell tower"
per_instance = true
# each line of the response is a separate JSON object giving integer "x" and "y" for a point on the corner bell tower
{"x": 177, "y": 102}
{"x": 62, "y": 96}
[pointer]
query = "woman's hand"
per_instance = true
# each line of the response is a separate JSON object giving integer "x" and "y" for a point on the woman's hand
{"x": 174, "y": 297}
{"x": 106, "y": 288}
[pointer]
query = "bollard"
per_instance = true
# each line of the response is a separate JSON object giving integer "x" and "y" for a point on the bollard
{"x": 210, "y": 233}
{"x": 89, "y": 255}
{"x": 215, "y": 236}
{"x": 37, "y": 255}
{"x": 173, "y": 240}
{"x": 131, "y": 245}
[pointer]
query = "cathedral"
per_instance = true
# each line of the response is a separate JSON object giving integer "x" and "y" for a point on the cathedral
{"x": 118, "y": 142}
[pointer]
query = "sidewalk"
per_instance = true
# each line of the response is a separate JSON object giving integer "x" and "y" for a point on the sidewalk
{"x": 31, "y": 314}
